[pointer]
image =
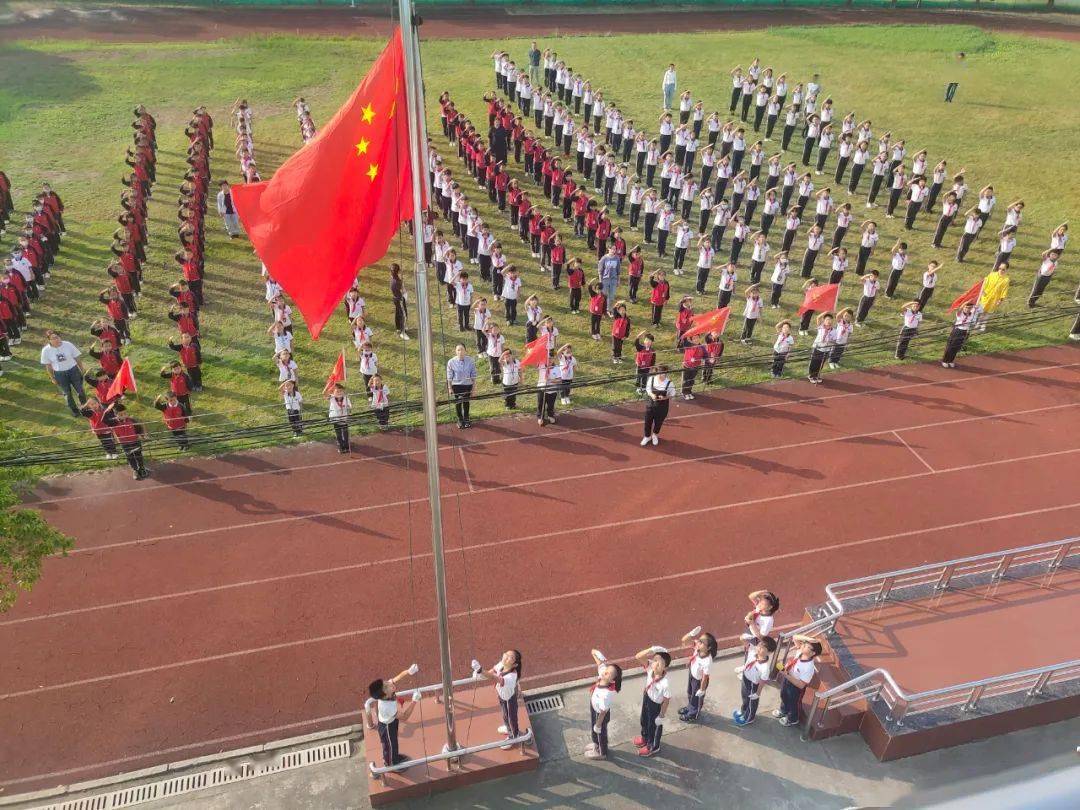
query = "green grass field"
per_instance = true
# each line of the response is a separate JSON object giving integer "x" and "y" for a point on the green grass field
{"x": 65, "y": 112}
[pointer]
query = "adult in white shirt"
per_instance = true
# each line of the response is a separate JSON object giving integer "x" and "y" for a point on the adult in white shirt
{"x": 658, "y": 393}
{"x": 65, "y": 369}
{"x": 668, "y": 86}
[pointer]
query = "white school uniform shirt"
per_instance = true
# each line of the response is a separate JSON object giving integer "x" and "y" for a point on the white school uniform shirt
{"x": 656, "y": 689}
{"x": 685, "y": 104}
{"x": 752, "y": 310}
{"x": 511, "y": 288}
{"x": 869, "y": 239}
{"x": 361, "y": 336}
{"x": 705, "y": 256}
{"x": 480, "y": 318}
{"x": 283, "y": 315}
{"x": 1058, "y": 241}
{"x": 387, "y": 710}
{"x": 567, "y": 366}
{"x": 780, "y": 272}
{"x": 680, "y": 137}
{"x": 843, "y": 218}
{"x": 898, "y": 180}
{"x": 814, "y": 241}
{"x": 861, "y": 156}
{"x": 823, "y": 338}
{"x": 1047, "y": 267}
{"x": 700, "y": 667}
{"x": 463, "y": 293}
{"x": 453, "y": 269}
{"x": 986, "y": 204}
{"x": 664, "y": 219}
{"x": 723, "y": 171}
{"x": 753, "y": 192}
{"x": 356, "y": 308}
{"x": 839, "y": 265}
{"x": 759, "y": 252}
{"x": 813, "y": 130}
{"x": 803, "y": 670}
{"x": 293, "y": 401}
{"x": 273, "y": 289}
{"x": 602, "y": 697}
{"x": 762, "y": 98}
{"x": 841, "y": 335}
{"x": 845, "y": 148}
{"x": 509, "y": 683}
{"x": 511, "y": 372}
{"x": 792, "y": 222}
{"x": 949, "y": 208}
{"x": 825, "y": 140}
{"x": 879, "y": 165}
{"x": 533, "y": 314}
{"x": 742, "y": 230}
{"x": 823, "y": 205}
{"x": 972, "y": 225}
{"x": 929, "y": 279}
{"x": 738, "y": 144}
{"x": 495, "y": 346}
{"x": 369, "y": 363}
{"x": 918, "y": 166}
{"x": 552, "y": 336}
{"x": 791, "y": 118}
{"x": 727, "y": 279}
{"x": 682, "y": 236}
{"x": 637, "y": 194}
{"x": 870, "y": 287}
{"x": 899, "y": 261}
{"x": 286, "y": 371}
{"x": 783, "y": 343}
{"x": 912, "y": 319}
{"x": 485, "y": 243}
{"x": 380, "y": 397}
{"x": 865, "y": 134}
{"x": 806, "y": 188}
{"x": 756, "y": 671}
{"x": 283, "y": 342}
{"x": 1008, "y": 242}
{"x": 772, "y": 206}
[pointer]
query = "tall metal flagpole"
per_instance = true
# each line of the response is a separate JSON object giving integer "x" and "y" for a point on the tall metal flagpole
{"x": 418, "y": 160}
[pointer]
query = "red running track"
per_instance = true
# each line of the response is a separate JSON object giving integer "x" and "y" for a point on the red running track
{"x": 231, "y": 601}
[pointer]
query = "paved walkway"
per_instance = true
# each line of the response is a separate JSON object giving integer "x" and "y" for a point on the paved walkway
{"x": 709, "y": 765}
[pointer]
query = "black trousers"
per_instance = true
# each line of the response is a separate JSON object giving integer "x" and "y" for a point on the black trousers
{"x": 694, "y": 704}
{"x": 134, "y": 455}
{"x": 957, "y": 338}
{"x": 777, "y": 291}
{"x": 388, "y": 736}
{"x": 966, "y": 241}
{"x": 575, "y": 297}
{"x": 778, "y": 361}
{"x": 790, "y": 698}
{"x": 942, "y": 226}
{"x": 656, "y": 411}
{"x": 856, "y": 173}
{"x": 689, "y": 376}
{"x": 894, "y": 280}
{"x": 510, "y": 394}
{"x": 748, "y": 328}
{"x": 601, "y": 739}
{"x": 924, "y": 297}
{"x": 462, "y": 395}
{"x": 817, "y": 360}
{"x": 545, "y": 403}
{"x": 865, "y": 303}
{"x": 912, "y": 212}
{"x": 723, "y": 298}
{"x": 341, "y": 433}
{"x": 906, "y": 335}
{"x": 1038, "y": 288}
{"x": 295, "y": 420}
{"x": 650, "y": 731}
{"x": 750, "y": 695}
{"x": 510, "y": 715}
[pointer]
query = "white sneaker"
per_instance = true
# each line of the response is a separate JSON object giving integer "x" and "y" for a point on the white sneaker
{"x": 405, "y": 336}
{"x": 502, "y": 729}
{"x": 655, "y": 439}
{"x": 645, "y": 441}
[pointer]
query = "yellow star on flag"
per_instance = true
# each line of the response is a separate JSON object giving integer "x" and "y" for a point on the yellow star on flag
{"x": 369, "y": 114}
{"x": 372, "y": 171}
{"x": 362, "y": 147}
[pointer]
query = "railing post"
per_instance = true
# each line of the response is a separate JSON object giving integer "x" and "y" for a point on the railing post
{"x": 886, "y": 588}
{"x": 1040, "y": 684}
{"x": 811, "y": 717}
{"x": 946, "y": 575}
{"x": 1003, "y": 566}
{"x": 973, "y": 699}
{"x": 1059, "y": 558}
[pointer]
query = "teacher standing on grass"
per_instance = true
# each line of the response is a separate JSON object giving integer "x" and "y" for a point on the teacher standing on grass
{"x": 61, "y": 361}
{"x": 609, "y": 268}
{"x": 668, "y": 86}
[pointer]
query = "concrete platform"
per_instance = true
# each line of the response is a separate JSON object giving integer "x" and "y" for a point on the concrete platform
{"x": 478, "y": 718}
{"x": 959, "y": 636}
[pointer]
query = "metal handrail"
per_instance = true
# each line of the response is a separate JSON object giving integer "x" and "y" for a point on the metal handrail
{"x": 881, "y": 586}
{"x": 967, "y": 695}
{"x": 455, "y": 754}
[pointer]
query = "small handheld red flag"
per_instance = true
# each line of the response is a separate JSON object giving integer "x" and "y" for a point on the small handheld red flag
{"x": 971, "y": 295}
{"x": 333, "y": 207}
{"x": 337, "y": 374}
{"x": 124, "y": 381}
{"x": 536, "y": 352}
{"x": 822, "y": 298}
{"x": 713, "y": 321}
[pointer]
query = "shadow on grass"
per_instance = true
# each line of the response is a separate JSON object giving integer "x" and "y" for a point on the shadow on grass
{"x": 29, "y": 77}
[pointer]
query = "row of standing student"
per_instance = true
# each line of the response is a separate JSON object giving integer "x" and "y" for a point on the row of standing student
{"x": 920, "y": 193}
{"x": 385, "y": 709}
{"x": 29, "y": 267}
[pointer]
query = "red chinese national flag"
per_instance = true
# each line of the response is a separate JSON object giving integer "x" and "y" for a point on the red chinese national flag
{"x": 971, "y": 295}
{"x": 822, "y": 298}
{"x": 334, "y": 206}
{"x": 124, "y": 381}
{"x": 536, "y": 352}
{"x": 337, "y": 375}
{"x": 706, "y": 322}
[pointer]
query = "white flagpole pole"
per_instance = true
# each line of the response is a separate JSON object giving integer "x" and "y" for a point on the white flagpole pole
{"x": 418, "y": 161}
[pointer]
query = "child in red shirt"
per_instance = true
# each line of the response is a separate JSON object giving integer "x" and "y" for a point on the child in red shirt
{"x": 597, "y": 308}
{"x": 620, "y": 331}
{"x": 661, "y": 292}
{"x": 693, "y": 359}
{"x": 644, "y": 359}
{"x": 175, "y": 415}
{"x": 714, "y": 350}
{"x": 575, "y": 280}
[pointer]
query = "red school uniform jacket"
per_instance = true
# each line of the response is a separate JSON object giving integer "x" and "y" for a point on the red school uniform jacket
{"x": 592, "y": 220}
{"x": 178, "y": 384}
{"x": 603, "y": 229}
{"x": 558, "y": 253}
{"x": 714, "y": 349}
{"x": 693, "y": 356}
{"x": 598, "y": 304}
{"x": 620, "y": 328}
{"x": 684, "y": 320}
{"x": 116, "y": 309}
{"x": 645, "y": 358}
{"x": 637, "y": 265}
{"x": 174, "y": 416}
{"x": 581, "y": 205}
{"x": 660, "y": 293}
{"x": 575, "y": 278}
